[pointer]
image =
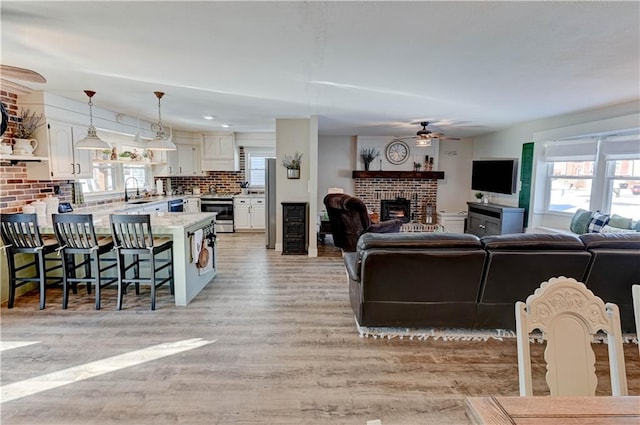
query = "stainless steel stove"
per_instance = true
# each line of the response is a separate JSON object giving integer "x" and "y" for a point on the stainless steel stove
{"x": 221, "y": 204}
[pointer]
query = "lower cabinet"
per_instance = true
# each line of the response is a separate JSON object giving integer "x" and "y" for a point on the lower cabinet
{"x": 248, "y": 213}
{"x": 492, "y": 219}
{"x": 294, "y": 227}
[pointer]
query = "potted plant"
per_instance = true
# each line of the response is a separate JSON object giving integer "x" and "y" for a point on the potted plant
{"x": 368, "y": 155}
{"x": 479, "y": 196}
{"x": 126, "y": 155}
{"x": 106, "y": 153}
{"x": 292, "y": 164}
{"x": 27, "y": 125}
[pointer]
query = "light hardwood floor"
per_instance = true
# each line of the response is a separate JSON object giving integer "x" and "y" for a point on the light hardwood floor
{"x": 286, "y": 351}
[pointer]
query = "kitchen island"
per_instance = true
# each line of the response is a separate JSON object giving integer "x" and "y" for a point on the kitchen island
{"x": 180, "y": 227}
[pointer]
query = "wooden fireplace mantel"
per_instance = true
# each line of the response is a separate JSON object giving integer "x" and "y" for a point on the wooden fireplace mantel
{"x": 421, "y": 175}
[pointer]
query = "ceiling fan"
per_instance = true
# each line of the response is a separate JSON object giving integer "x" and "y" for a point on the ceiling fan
{"x": 424, "y": 136}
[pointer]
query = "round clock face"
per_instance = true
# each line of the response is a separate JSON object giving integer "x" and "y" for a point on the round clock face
{"x": 397, "y": 152}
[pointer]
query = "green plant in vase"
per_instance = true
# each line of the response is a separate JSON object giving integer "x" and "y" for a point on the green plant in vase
{"x": 479, "y": 196}
{"x": 292, "y": 164}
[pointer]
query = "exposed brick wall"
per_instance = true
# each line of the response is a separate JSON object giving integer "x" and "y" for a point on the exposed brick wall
{"x": 372, "y": 191}
{"x": 226, "y": 182}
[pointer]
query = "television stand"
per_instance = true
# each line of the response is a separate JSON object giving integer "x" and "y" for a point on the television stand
{"x": 494, "y": 219}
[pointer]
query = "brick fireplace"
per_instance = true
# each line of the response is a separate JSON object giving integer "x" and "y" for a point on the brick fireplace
{"x": 420, "y": 188}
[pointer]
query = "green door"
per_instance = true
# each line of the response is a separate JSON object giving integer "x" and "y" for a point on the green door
{"x": 526, "y": 170}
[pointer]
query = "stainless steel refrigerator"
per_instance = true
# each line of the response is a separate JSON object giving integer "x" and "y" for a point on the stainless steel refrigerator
{"x": 270, "y": 202}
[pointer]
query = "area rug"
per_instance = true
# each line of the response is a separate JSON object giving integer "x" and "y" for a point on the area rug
{"x": 458, "y": 334}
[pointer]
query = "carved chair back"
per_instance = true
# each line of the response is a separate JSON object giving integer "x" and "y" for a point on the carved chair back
{"x": 569, "y": 316}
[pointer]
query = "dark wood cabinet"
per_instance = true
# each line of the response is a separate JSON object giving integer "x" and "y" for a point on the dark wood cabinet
{"x": 294, "y": 227}
{"x": 493, "y": 219}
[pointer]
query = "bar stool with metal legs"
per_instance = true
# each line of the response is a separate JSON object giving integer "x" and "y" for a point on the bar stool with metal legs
{"x": 133, "y": 238}
{"x": 76, "y": 236}
{"x": 20, "y": 235}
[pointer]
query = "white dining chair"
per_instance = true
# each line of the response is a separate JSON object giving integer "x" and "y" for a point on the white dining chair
{"x": 569, "y": 316}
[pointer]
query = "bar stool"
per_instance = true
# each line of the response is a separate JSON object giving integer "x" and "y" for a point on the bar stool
{"x": 133, "y": 237}
{"x": 76, "y": 236}
{"x": 20, "y": 235}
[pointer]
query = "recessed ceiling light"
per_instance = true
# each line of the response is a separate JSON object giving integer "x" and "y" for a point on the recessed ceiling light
{"x": 225, "y": 125}
{"x": 208, "y": 117}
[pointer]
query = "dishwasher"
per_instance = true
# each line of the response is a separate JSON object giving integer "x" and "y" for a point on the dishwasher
{"x": 176, "y": 205}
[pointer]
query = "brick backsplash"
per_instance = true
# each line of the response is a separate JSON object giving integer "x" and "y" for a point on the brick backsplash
{"x": 372, "y": 191}
{"x": 225, "y": 182}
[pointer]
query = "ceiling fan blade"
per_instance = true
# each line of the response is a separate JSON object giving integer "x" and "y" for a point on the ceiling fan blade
{"x": 24, "y": 74}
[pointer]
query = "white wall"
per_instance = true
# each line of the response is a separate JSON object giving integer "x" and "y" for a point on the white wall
{"x": 455, "y": 160}
{"x": 336, "y": 161}
{"x": 508, "y": 143}
{"x": 295, "y": 135}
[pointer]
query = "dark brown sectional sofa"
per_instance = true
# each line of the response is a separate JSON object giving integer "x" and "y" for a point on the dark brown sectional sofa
{"x": 455, "y": 280}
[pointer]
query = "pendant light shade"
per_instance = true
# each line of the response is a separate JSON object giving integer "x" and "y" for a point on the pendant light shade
{"x": 91, "y": 140}
{"x": 160, "y": 142}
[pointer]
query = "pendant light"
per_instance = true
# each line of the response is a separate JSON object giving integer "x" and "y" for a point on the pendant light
{"x": 91, "y": 141}
{"x": 160, "y": 142}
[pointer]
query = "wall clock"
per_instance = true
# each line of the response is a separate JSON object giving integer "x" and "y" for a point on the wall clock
{"x": 397, "y": 152}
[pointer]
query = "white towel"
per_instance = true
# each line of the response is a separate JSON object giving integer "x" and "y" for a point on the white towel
{"x": 196, "y": 244}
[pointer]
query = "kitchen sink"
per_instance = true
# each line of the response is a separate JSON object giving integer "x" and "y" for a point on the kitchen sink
{"x": 138, "y": 202}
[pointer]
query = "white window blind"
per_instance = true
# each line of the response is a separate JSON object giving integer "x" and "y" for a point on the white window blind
{"x": 622, "y": 147}
{"x": 571, "y": 150}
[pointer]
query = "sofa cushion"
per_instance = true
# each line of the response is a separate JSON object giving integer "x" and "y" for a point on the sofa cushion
{"x": 598, "y": 221}
{"x": 620, "y": 222}
{"x": 418, "y": 240}
{"x": 611, "y": 240}
{"x": 532, "y": 241}
{"x": 636, "y": 226}
{"x": 580, "y": 221}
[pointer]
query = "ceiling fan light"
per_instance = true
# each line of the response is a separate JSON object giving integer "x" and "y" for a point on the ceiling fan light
{"x": 91, "y": 140}
{"x": 423, "y": 142}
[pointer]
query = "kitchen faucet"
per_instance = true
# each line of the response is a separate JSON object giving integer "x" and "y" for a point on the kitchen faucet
{"x": 126, "y": 195}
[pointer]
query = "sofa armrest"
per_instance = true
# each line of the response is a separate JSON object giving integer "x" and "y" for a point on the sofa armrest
{"x": 352, "y": 264}
{"x": 388, "y": 226}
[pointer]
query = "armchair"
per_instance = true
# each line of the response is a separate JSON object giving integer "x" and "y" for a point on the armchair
{"x": 349, "y": 219}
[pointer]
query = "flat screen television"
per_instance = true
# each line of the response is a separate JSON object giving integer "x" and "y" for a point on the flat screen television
{"x": 495, "y": 175}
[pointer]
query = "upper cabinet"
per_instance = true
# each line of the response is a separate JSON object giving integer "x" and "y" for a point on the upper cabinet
{"x": 185, "y": 161}
{"x": 65, "y": 162}
{"x": 219, "y": 152}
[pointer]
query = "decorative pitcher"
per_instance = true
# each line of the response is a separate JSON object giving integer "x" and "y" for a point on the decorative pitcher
{"x": 24, "y": 146}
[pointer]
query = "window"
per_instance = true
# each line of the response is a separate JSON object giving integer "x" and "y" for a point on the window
{"x": 570, "y": 184}
{"x": 597, "y": 173}
{"x": 623, "y": 184}
{"x": 135, "y": 176}
{"x": 255, "y": 160}
{"x": 103, "y": 180}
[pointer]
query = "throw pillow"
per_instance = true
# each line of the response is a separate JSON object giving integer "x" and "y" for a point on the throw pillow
{"x": 636, "y": 226}
{"x": 612, "y": 229}
{"x": 598, "y": 221}
{"x": 620, "y": 222}
{"x": 580, "y": 221}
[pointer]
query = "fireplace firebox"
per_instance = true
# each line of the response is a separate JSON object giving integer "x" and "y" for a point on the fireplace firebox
{"x": 399, "y": 208}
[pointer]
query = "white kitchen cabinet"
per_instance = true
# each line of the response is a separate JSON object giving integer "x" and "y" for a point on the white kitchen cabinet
{"x": 248, "y": 213}
{"x": 65, "y": 162}
{"x": 185, "y": 161}
{"x": 220, "y": 153}
{"x": 258, "y": 216}
{"x": 193, "y": 205}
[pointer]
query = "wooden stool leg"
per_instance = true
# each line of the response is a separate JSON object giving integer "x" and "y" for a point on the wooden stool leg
{"x": 41, "y": 277}
{"x": 153, "y": 281}
{"x": 67, "y": 264}
{"x": 95, "y": 274}
{"x": 11, "y": 265}
{"x": 171, "y": 283}
{"x": 120, "y": 260}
